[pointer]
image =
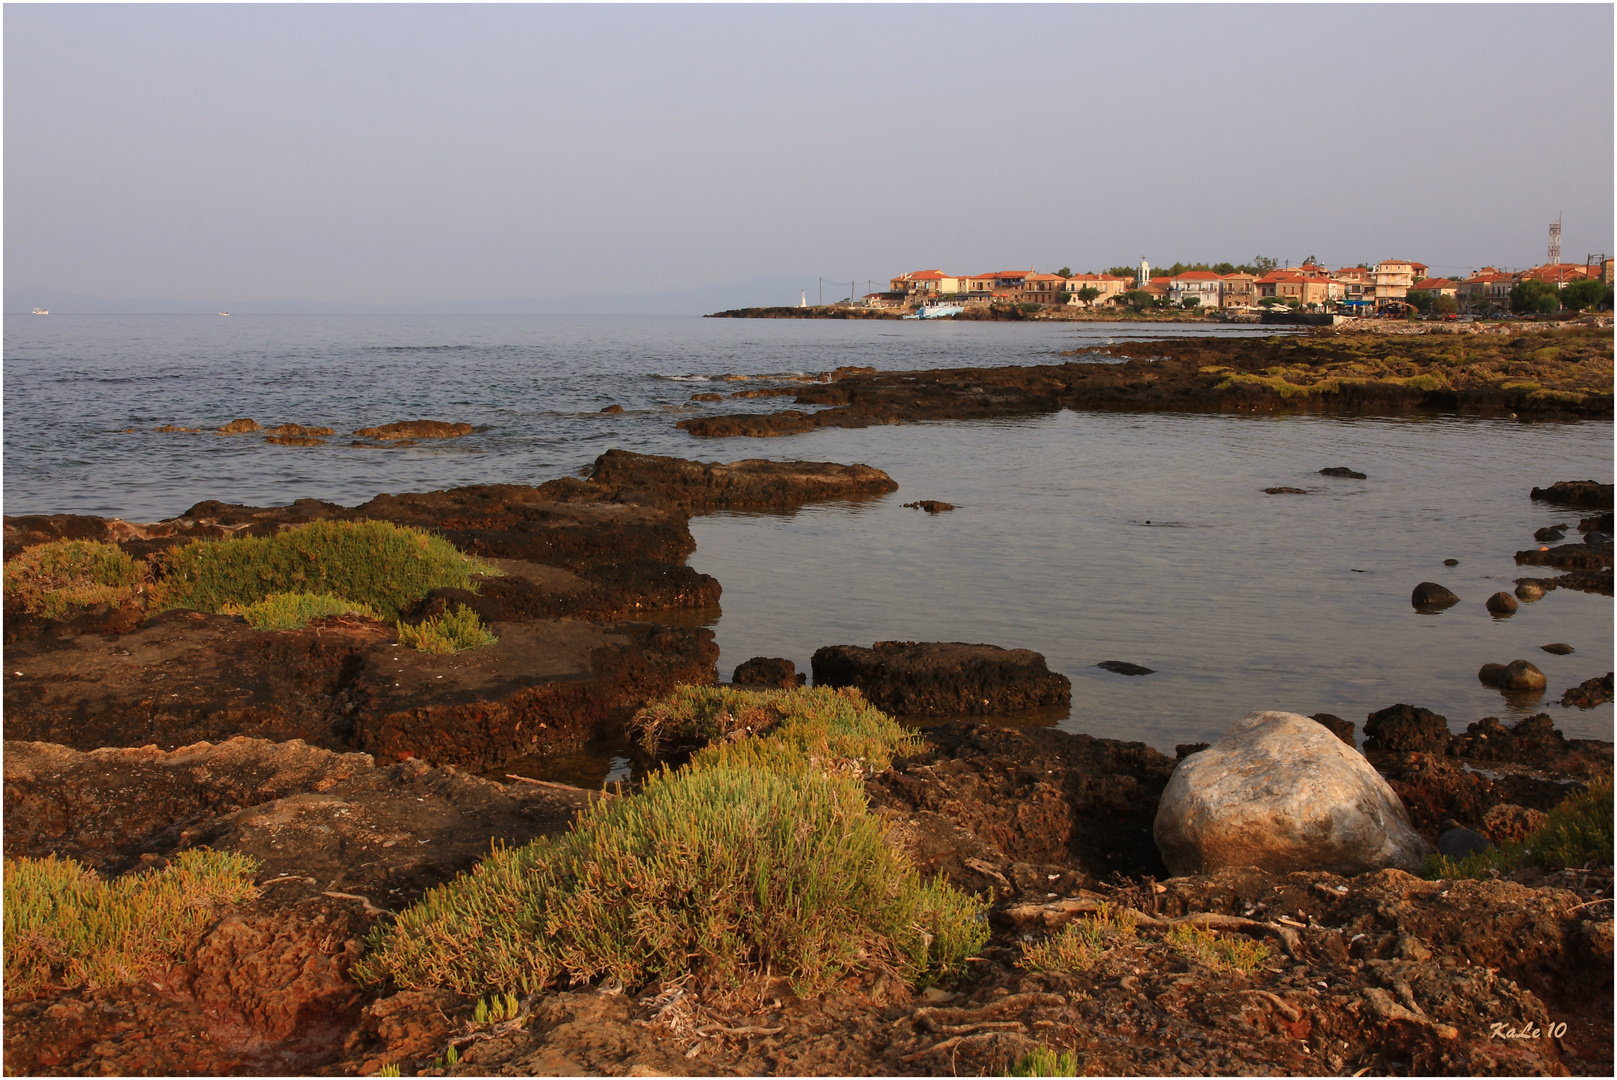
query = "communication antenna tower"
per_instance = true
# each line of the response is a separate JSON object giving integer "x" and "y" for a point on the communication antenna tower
{"x": 1555, "y": 241}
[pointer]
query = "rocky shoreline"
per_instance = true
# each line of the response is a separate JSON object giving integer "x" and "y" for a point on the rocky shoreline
{"x": 360, "y": 774}
{"x": 1547, "y": 375}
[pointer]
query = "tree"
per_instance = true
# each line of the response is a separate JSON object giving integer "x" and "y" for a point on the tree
{"x": 1535, "y": 298}
{"x": 1063, "y": 296}
{"x": 1065, "y": 271}
{"x": 1269, "y": 301}
{"x": 1138, "y": 299}
{"x": 1263, "y": 264}
{"x": 1191, "y": 302}
{"x": 1311, "y": 261}
{"x": 1121, "y": 271}
{"x": 1088, "y": 294}
{"x": 1420, "y": 299}
{"x": 1583, "y": 294}
{"x": 1445, "y": 305}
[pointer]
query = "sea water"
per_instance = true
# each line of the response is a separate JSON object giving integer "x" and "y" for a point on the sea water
{"x": 1085, "y": 536}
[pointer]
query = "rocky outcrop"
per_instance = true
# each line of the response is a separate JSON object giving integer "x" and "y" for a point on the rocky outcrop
{"x": 1589, "y": 693}
{"x": 1344, "y": 472}
{"x": 1405, "y": 727}
{"x": 930, "y": 678}
{"x": 415, "y": 429}
{"x": 700, "y": 486}
{"x": 771, "y": 671}
{"x": 243, "y": 426}
{"x": 1281, "y": 793}
{"x": 1576, "y": 494}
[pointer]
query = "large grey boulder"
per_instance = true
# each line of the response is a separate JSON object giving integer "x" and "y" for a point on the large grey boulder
{"x": 1281, "y": 793}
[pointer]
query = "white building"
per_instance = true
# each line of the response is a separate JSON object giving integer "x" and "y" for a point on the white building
{"x": 1206, "y": 287}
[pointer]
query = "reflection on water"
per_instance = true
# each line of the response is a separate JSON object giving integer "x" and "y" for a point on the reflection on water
{"x": 1241, "y": 601}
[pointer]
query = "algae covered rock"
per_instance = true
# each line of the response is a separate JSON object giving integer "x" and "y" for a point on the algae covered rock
{"x": 1281, "y": 793}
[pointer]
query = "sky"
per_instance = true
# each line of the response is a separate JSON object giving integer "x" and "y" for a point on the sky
{"x": 382, "y": 154}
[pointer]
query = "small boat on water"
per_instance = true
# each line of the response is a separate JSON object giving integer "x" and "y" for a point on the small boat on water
{"x": 224, "y": 313}
{"x": 40, "y": 311}
{"x": 937, "y": 309}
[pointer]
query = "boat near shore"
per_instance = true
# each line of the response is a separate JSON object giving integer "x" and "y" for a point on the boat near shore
{"x": 937, "y": 309}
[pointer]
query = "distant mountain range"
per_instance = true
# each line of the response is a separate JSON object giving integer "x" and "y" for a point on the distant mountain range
{"x": 775, "y": 289}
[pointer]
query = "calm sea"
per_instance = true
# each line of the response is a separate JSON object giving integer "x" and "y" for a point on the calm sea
{"x": 1087, "y": 537}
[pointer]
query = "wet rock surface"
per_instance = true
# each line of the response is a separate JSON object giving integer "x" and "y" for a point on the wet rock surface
{"x": 1589, "y": 693}
{"x": 415, "y": 429}
{"x": 942, "y": 678}
{"x": 1577, "y": 494}
{"x": 1430, "y": 596}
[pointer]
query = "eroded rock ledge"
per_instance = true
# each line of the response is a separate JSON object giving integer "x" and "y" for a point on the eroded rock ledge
{"x": 587, "y": 563}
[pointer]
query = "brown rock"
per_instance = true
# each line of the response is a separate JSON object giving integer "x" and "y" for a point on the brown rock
{"x": 243, "y": 426}
{"x": 1589, "y": 693}
{"x": 1405, "y": 727}
{"x": 177, "y": 428}
{"x": 299, "y": 429}
{"x": 1578, "y": 494}
{"x": 1529, "y": 591}
{"x": 294, "y": 440}
{"x": 1342, "y": 729}
{"x": 908, "y": 678}
{"x": 769, "y": 671}
{"x": 1502, "y": 604}
{"x": 1517, "y": 675}
{"x": 415, "y": 429}
{"x": 1430, "y": 596}
{"x": 1559, "y": 648}
{"x": 931, "y": 506}
{"x": 613, "y": 409}
{"x": 1508, "y": 823}
{"x": 707, "y": 397}
{"x": 1285, "y": 491}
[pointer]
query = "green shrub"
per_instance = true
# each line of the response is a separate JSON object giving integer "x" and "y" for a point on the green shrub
{"x": 1043, "y": 1061}
{"x": 757, "y": 856}
{"x": 1080, "y": 943}
{"x": 66, "y": 927}
{"x": 292, "y": 611}
{"x": 834, "y": 725}
{"x": 1576, "y": 833}
{"x": 447, "y": 632}
{"x": 385, "y": 566}
{"x": 49, "y": 579}
{"x": 1224, "y": 954}
{"x": 717, "y": 872}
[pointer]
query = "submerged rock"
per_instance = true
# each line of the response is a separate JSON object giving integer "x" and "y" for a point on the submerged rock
{"x": 1550, "y": 533}
{"x": 294, "y": 440}
{"x": 942, "y": 678}
{"x": 931, "y": 506}
{"x": 1430, "y": 596}
{"x": 1344, "y": 472}
{"x": 1284, "y": 491}
{"x": 415, "y": 429}
{"x": 1123, "y": 667}
{"x": 1516, "y": 675}
{"x": 1558, "y": 648}
{"x": 1281, "y": 793}
{"x": 613, "y": 409}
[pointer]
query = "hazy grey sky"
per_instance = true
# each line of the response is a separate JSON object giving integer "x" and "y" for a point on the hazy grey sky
{"x": 400, "y": 154}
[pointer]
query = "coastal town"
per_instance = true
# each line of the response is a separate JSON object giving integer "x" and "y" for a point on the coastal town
{"x": 1392, "y": 287}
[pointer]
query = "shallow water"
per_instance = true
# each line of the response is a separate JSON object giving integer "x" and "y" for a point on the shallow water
{"x": 1087, "y": 537}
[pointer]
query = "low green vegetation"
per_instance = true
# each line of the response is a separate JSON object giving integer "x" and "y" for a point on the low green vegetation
{"x": 447, "y": 632}
{"x": 1081, "y": 942}
{"x": 66, "y": 927}
{"x": 758, "y": 856}
{"x": 384, "y": 566}
{"x": 52, "y": 579}
{"x": 1576, "y": 833}
{"x": 833, "y": 725}
{"x": 496, "y": 1009}
{"x": 292, "y": 611}
{"x": 1221, "y": 953}
{"x": 1043, "y": 1061}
